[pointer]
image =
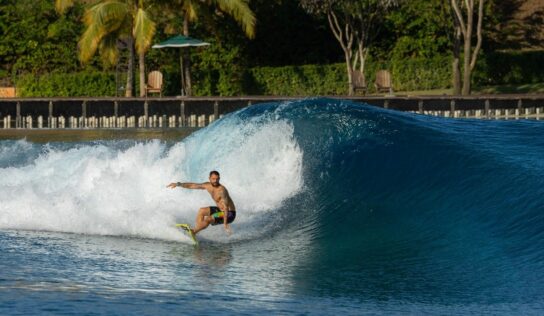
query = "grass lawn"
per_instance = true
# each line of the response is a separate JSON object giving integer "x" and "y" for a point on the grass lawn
{"x": 512, "y": 89}
{"x": 532, "y": 88}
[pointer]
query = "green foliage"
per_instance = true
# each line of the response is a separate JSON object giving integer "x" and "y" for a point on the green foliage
{"x": 213, "y": 76}
{"x": 80, "y": 84}
{"x": 420, "y": 29}
{"x": 409, "y": 74}
{"x": 413, "y": 43}
{"x": 516, "y": 67}
{"x": 298, "y": 80}
{"x": 107, "y": 22}
{"x": 35, "y": 39}
{"x": 421, "y": 73}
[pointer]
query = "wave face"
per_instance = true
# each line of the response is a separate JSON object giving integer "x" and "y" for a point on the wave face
{"x": 402, "y": 203}
{"x": 395, "y": 203}
{"x": 385, "y": 203}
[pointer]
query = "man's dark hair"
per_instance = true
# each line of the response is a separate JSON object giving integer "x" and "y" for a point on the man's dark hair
{"x": 214, "y": 172}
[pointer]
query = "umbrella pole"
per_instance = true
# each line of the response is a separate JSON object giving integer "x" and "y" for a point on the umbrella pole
{"x": 182, "y": 76}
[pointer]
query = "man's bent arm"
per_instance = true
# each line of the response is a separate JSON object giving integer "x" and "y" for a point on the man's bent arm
{"x": 222, "y": 203}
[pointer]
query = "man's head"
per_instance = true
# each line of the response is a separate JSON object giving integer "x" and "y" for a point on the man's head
{"x": 214, "y": 178}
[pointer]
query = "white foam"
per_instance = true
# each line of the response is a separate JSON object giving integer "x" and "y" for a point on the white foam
{"x": 98, "y": 189}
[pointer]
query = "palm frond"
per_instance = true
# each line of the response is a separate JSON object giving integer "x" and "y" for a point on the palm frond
{"x": 101, "y": 20}
{"x": 62, "y": 5}
{"x": 240, "y": 11}
{"x": 88, "y": 43}
{"x": 143, "y": 32}
{"x": 109, "y": 52}
{"x": 108, "y": 15}
{"x": 191, "y": 8}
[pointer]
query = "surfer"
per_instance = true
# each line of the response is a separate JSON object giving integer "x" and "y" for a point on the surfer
{"x": 213, "y": 215}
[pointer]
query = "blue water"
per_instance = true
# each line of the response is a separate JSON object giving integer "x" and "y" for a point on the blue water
{"x": 343, "y": 208}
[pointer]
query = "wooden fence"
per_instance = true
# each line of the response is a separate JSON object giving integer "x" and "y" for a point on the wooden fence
{"x": 58, "y": 113}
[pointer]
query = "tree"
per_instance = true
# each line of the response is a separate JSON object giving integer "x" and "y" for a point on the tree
{"x": 418, "y": 28}
{"x": 354, "y": 24}
{"x": 463, "y": 17}
{"x": 110, "y": 22}
{"x": 192, "y": 10}
{"x": 34, "y": 40}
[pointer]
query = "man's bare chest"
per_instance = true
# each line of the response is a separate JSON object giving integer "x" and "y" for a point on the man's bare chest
{"x": 216, "y": 194}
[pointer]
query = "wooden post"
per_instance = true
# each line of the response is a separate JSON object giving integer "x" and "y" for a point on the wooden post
{"x": 50, "y": 108}
{"x": 420, "y": 106}
{"x": 84, "y": 109}
{"x": 18, "y": 116}
{"x": 146, "y": 110}
{"x": 182, "y": 121}
{"x": 216, "y": 110}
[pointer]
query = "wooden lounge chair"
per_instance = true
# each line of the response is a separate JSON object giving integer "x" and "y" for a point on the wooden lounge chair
{"x": 383, "y": 81}
{"x": 154, "y": 83}
{"x": 359, "y": 82}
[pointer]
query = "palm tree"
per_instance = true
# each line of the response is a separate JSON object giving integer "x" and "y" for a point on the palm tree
{"x": 191, "y": 10}
{"x": 110, "y": 21}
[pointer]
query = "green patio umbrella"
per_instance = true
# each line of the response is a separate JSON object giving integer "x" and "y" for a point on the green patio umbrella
{"x": 181, "y": 41}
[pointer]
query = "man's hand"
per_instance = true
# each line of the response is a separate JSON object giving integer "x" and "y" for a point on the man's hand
{"x": 227, "y": 229}
{"x": 172, "y": 185}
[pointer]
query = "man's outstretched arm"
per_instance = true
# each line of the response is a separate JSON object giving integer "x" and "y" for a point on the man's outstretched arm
{"x": 187, "y": 185}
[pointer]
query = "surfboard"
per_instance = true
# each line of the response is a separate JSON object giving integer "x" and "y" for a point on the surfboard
{"x": 189, "y": 232}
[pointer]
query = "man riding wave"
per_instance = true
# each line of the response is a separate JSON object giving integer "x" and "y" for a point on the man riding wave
{"x": 224, "y": 212}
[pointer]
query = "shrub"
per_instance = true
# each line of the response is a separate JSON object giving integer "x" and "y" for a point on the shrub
{"x": 421, "y": 73}
{"x": 66, "y": 85}
{"x": 215, "y": 79}
{"x": 516, "y": 67}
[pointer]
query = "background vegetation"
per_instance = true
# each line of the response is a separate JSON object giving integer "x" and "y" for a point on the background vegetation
{"x": 292, "y": 53}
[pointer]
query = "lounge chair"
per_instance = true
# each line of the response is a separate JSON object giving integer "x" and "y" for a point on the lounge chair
{"x": 154, "y": 83}
{"x": 383, "y": 81}
{"x": 359, "y": 82}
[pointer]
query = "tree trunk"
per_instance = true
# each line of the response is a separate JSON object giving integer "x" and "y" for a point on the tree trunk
{"x": 466, "y": 68}
{"x": 141, "y": 68}
{"x": 456, "y": 71}
{"x": 186, "y": 60}
{"x": 130, "y": 68}
{"x": 349, "y": 68}
{"x": 467, "y": 51}
{"x": 344, "y": 36}
{"x": 466, "y": 27}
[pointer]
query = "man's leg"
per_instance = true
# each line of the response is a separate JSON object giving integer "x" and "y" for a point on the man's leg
{"x": 203, "y": 219}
